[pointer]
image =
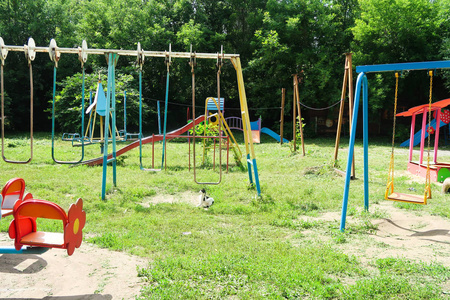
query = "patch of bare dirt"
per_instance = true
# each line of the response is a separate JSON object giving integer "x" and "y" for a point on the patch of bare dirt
{"x": 90, "y": 273}
{"x": 186, "y": 197}
{"x": 402, "y": 234}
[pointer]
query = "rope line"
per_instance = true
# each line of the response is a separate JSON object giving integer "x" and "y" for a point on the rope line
{"x": 391, "y": 163}
{"x": 322, "y": 108}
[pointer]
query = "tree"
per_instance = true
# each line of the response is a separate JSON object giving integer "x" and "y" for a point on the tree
{"x": 299, "y": 37}
{"x": 394, "y": 32}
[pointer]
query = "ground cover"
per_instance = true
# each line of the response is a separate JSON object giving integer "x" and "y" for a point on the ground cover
{"x": 285, "y": 244}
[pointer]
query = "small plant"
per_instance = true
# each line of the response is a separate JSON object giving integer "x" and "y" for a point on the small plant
{"x": 338, "y": 237}
{"x": 298, "y": 134}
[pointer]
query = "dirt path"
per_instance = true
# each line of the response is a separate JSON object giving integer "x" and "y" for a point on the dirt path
{"x": 90, "y": 273}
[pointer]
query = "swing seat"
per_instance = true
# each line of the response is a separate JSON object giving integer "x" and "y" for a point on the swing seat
{"x": 408, "y": 198}
{"x": 23, "y": 229}
{"x": 13, "y": 191}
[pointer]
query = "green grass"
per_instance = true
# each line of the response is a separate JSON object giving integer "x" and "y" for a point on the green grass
{"x": 243, "y": 247}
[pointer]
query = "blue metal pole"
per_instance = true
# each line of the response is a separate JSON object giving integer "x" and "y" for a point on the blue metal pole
{"x": 255, "y": 169}
{"x": 366, "y": 141}
{"x": 125, "y": 113}
{"x": 106, "y": 137}
{"x": 427, "y": 65}
{"x": 249, "y": 168}
{"x": 351, "y": 146}
{"x": 113, "y": 117}
{"x": 165, "y": 119}
{"x": 23, "y": 250}
{"x": 159, "y": 118}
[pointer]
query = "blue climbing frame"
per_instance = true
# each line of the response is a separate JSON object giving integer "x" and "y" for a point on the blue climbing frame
{"x": 362, "y": 84}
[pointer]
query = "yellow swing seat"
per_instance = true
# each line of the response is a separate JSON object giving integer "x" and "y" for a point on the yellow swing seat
{"x": 401, "y": 197}
{"x": 416, "y": 199}
{"x": 408, "y": 198}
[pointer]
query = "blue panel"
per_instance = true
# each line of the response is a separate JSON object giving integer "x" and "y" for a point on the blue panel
{"x": 101, "y": 100}
{"x": 23, "y": 250}
{"x": 211, "y": 106}
{"x": 427, "y": 65}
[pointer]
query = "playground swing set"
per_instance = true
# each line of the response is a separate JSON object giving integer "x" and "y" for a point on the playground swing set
{"x": 112, "y": 57}
{"x": 362, "y": 85}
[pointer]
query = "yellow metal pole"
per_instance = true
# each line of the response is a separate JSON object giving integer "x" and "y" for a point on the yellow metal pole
{"x": 251, "y": 157}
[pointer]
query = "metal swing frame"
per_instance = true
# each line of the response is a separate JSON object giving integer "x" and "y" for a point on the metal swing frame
{"x": 362, "y": 86}
{"x": 112, "y": 56}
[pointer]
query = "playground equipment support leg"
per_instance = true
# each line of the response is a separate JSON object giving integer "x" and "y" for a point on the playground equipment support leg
{"x": 362, "y": 77}
{"x": 246, "y": 123}
{"x": 110, "y": 107}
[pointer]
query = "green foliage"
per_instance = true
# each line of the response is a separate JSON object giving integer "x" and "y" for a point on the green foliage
{"x": 275, "y": 39}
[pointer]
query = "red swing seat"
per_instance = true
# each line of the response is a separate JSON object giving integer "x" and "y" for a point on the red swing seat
{"x": 23, "y": 229}
{"x": 13, "y": 191}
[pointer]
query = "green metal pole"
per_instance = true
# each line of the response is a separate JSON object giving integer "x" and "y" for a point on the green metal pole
{"x": 110, "y": 108}
{"x": 165, "y": 118}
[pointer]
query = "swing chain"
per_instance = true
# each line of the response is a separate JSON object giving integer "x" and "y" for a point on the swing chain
{"x": 391, "y": 164}
{"x": 428, "y": 176}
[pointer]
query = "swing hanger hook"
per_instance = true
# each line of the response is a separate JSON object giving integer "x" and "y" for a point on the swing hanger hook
{"x": 53, "y": 52}
{"x": 3, "y": 51}
{"x": 82, "y": 53}
{"x": 168, "y": 57}
{"x": 192, "y": 59}
{"x": 220, "y": 57}
{"x": 140, "y": 56}
{"x": 30, "y": 50}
